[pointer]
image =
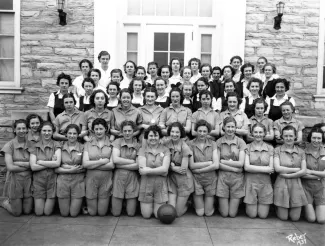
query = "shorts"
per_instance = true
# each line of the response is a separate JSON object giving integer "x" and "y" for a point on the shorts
{"x": 288, "y": 193}
{"x": 181, "y": 185}
{"x": 231, "y": 185}
{"x": 98, "y": 184}
{"x": 205, "y": 183}
{"x": 18, "y": 185}
{"x": 314, "y": 190}
{"x": 258, "y": 189}
{"x": 70, "y": 185}
{"x": 126, "y": 184}
{"x": 44, "y": 184}
{"x": 153, "y": 189}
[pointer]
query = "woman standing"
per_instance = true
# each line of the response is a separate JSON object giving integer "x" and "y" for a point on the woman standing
{"x": 136, "y": 87}
{"x": 204, "y": 162}
{"x": 95, "y": 75}
{"x": 260, "y": 65}
{"x": 140, "y": 72}
{"x": 84, "y": 101}
{"x": 202, "y": 84}
{"x": 97, "y": 160}
{"x": 269, "y": 70}
{"x": 206, "y": 71}
{"x": 176, "y": 65}
{"x": 153, "y": 160}
{"x": 236, "y": 62}
{"x": 290, "y": 164}
{"x": 246, "y": 74}
{"x": 116, "y": 76}
{"x": 113, "y": 89}
{"x": 152, "y": 70}
{"x": 71, "y": 174}
{"x": 229, "y": 86}
{"x": 258, "y": 167}
{"x": 163, "y": 96}
{"x": 33, "y": 122}
{"x": 129, "y": 69}
{"x": 45, "y": 156}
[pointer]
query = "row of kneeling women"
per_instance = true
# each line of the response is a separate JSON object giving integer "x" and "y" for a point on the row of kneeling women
{"x": 161, "y": 170}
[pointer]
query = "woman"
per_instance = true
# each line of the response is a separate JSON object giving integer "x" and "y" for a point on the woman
{"x": 180, "y": 179}
{"x": 163, "y": 96}
{"x": 229, "y": 86}
{"x": 236, "y": 62}
{"x": 97, "y": 160}
{"x": 202, "y": 84}
{"x": 104, "y": 57}
{"x": 186, "y": 74}
{"x": 231, "y": 151}
{"x": 71, "y": 174}
{"x": 126, "y": 178}
{"x": 153, "y": 160}
{"x": 152, "y": 70}
{"x": 34, "y": 122}
{"x": 45, "y": 156}
{"x": 19, "y": 178}
{"x": 313, "y": 181}
{"x": 216, "y": 73}
{"x": 125, "y": 111}
{"x": 85, "y": 65}
{"x": 116, "y": 76}
{"x": 129, "y": 69}
{"x": 269, "y": 70}
{"x": 203, "y": 163}
{"x": 246, "y": 74}
{"x": 140, "y": 72}
{"x": 195, "y": 64}
{"x": 258, "y": 167}
{"x": 281, "y": 87}
{"x": 84, "y": 101}
{"x": 175, "y": 112}
{"x": 206, "y": 113}
{"x": 136, "y": 87}
{"x": 242, "y": 122}
{"x": 290, "y": 164}
{"x": 260, "y": 65}
{"x": 260, "y": 107}
{"x": 176, "y": 65}
{"x": 71, "y": 115}
{"x": 99, "y": 101}
{"x": 187, "y": 90}
{"x": 206, "y": 71}
{"x": 55, "y": 102}
{"x": 216, "y": 82}
{"x": 247, "y": 106}
{"x": 287, "y": 119}
{"x": 165, "y": 72}
{"x": 113, "y": 89}
{"x": 95, "y": 75}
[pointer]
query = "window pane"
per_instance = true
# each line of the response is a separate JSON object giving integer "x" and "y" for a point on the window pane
{"x": 177, "y": 8}
{"x": 205, "y": 58}
{"x": 161, "y": 42}
{"x": 161, "y": 58}
{"x": 191, "y": 8}
{"x": 134, "y": 7}
{"x": 132, "y": 42}
{"x": 7, "y": 70}
{"x": 6, "y": 4}
{"x": 177, "y": 41}
{"x": 179, "y": 55}
{"x": 206, "y": 8}
{"x": 162, "y": 7}
{"x": 6, "y": 47}
{"x": 206, "y": 43}
{"x": 7, "y": 23}
{"x": 148, "y": 7}
{"x": 133, "y": 56}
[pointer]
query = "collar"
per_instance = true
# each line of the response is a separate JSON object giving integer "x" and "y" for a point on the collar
{"x": 119, "y": 108}
{"x": 76, "y": 111}
{"x": 40, "y": 144}
{"x": 286, "y": 97}
{"x": 29, "y": 137}
{"x": 200, "y": 109}
{"x": 18, "y": 145}
{"x": 165, "y": 95}
{"x": 181, "y": 108}
{"x": 238, "y": 112}
{"x": 160, "y": 150}
{"x": 59, "y": 93}
{"x": 294, "y": 150}
{"x": 308, "y": 150}
{"x": 263, "y": 118}
{"x": 255, "y": 147}
{"x": 131, "y": 145}
{"x": 229, "y": 142}
{"x": 206, "y": 144}
{"x": 177, "y": 147}
{"x": 94, "y": 142}
{"x": 281, "y": 121}
{"x": 93, "y": 110}
{"x": 66, "y": 147}
{"x": 145, "y": 108}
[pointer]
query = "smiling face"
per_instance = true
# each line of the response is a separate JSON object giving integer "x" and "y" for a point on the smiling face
{"x": 88, "y": 86}
{"x": 258, "y": 134}
{"x": 175, "y": 133}
{"x": 235, "y": 63}
{"x": 47, "y": 132}
{"x": 202, "y": 132}
{"x": 280, "y": 89}
{"x": 99, "y": 100}
{"x": 99, "y": 131}
{"x": 261, "y": 63}
{"x": 150, "y": 98}
{"x": 248, "y": 71}
{"x": 187, "y": 91}
{"x": 34, "y": 124}
{"x": 165, "y": 73}
{"x": 230, "y": 129}
{"x": 268, "y": 70}
{"x": 232, "y": 103}
{"x": 286, "y": 111}
{"x": 137, "y": 86}
{"x": 289, "y": 137}
{"x": 72, "y": 135}
{"x": 200, "y": 85}
{"x": 175, "y": 98}
{"x": 153, "y": 138}
{"x": 104, "y": 60}
{"x": 229, "y": 87}
{"x": 95, "y": 76}
{"x": 206, "y": 72}
{"x": 127, "y": 132}
{"x": 21, "y": 130}
{"x": 140, "y": 73}
{"x": 160, "y": 86}
{"x": 116, "y": 77}
{"x": 126, "y": 99}
{"x": 68, "y": 104}
{"x": 316, "y": 139}
{"x": 254, "y": 88}
{"x": 112, "y": 91}
{"x": 153, "y": 70}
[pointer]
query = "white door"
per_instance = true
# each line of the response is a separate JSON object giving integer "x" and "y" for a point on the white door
{"x": 167, "y": 41}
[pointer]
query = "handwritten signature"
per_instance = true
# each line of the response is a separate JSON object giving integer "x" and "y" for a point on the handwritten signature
{"x": 299, "y": 240}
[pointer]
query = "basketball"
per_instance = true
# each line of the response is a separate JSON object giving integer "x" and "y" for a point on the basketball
{"x": 166, "y": 214}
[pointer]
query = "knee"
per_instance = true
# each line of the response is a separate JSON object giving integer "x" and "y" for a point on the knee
{"x": 295, "y": 217}
{"x": 210, "y": 213}
{"x": 321, "y": 221}
{"x": 102, "y": 214}
{"x": 16, "y": 213}
{"x": 223, "y": 213}
{"x": 310, "y": 219}
{"x": 262, "y": 216}
{"x": 282, "y": 217}
{"x": 131, "y": 214}
{"x": 47, "y": 213}
{"x": 39, "y": 212}
{"x": 199, "y": 211}
{"x": 92, "y": 212}
{"x": 115, "y": 213}
{"x": 74, "y": 214}
{"x": 146, "y": 216}
{"x": 232, "y": 214}
{"x": 64, "y": 214}
{"x": 251, "y": 214}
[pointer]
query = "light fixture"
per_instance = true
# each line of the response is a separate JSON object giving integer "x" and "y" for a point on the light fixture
{"x": 62, "y": 15}
{"x": 278, "y": 18}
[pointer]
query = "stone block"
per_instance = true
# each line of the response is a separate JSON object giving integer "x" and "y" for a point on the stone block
{"x": 43, "y": 74}
{"x": 267, "y": 9}
{"x": 303, "y": 43}
{"x": 29, "y": 43}
{"x": 29, "y": 81}
{"x": 286, "y": 70}
{"x": 292, "y": 19}
{"x": 44, "y": 58}
{"x": 57, "y": 44}
{"x": 265, "y": 51}
{"x": 26, "y": 99}
{"x": 310, "y": 71}
{"x": 26, "y": 72}
{"x": 84, "y": 45}
{"x": 249, "y": 51}
{"x": 301, "y": 61}
{"x": 305, "y": 29}
{"x": 35, "y": 90}
{"x": 77, "y": 37}
{"x": 312, "y": 21}
{"x": 53, "y": 66}
{"x": 286, "y": 51}
{"x": 42, "y": 50}
{"x": 250, "y": 10}
{"x": 70, "y": 52}
{"x": 290, "y": 36}
{"x": 25, "y": 50}
{"x": 255, "y": 18}
{"x": 37, "y": 37}
{"x": 253, "y": 43}
{"x": 260, "y": 35}
{"x": 29, "y": 13}
{"x": 309, "y": 53}
{"x": 270, "y": 28}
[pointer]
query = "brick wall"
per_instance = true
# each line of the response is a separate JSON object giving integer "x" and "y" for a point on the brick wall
{"x": 293, "y": 48}
{"x": 47, "y": 49}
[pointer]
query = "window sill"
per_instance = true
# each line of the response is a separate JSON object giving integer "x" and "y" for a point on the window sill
{"x": 11, "y": 90}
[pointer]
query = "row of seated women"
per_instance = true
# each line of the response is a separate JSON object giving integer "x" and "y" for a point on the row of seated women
{"x": 170, "y": 171}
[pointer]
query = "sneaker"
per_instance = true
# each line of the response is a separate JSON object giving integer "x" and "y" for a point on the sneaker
{"x": 6, "y": 205}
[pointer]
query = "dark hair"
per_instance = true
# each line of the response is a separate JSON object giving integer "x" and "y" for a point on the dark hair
{"x": 103, "y": 53}
{"x": 206, "y": 65}
{"x": 128, "y": 123}
{"x": 200, "y": 123}
{"x": 149, "y": 89}
{"x": 262, "y": 57}
{"x": 132, "y": 83}
{"x": 285, "y": 82}
{"x": 151, "y": 63}
{"x": 228, "y": 120}
{"x": 159, "y": 78}
{"x": 116, "y": 84}
{"x": 90, "y": 64}
{"x": 179, "y": 126}
{"x": 204, "y": 80}
{"x": 96, "y": 71}
{"x": 99, "y": 121}
{"x": 68, "y": 95}
{"x": 288, "y": 103}
{"x": 179, "y": 60}
{"x": 246, "y": 65}
{"x": 16, "y": 122}
{"x": 315, "y": 130}
{"x": 125, "y": 90}
{"x": 230, "y": 81}
{"x": 234, "y": 94}
{"x": 180, "y": 93}
{"x": 33, "y": 116}
{"x": 271, "y": 65}
{"x": 288, "y": 128}
{"x": 260, "y": 100}
{"x": 90, "y": 80}
{"x": 258, "y": 124}
{"x": 63, "y": 76}
{"x": 231, "y": 68}
{"x": 194, "y": 59}
{"x": 206, "y": 93}
{"x": 141, "y": 68}
{"x": 72, "y": 126}
{"x": 255, "y": 80}
{"x": 165, "y": 66}
{"x": 182, "y": 71}
{"x": 155, "y": 129}
{"x": 236, "y": 57}
{"x": 92, "y": 98}
{"x": 117, "y": 70}
{"x": 135, "y": 65}
{"x": 319, "y": 125}
{"x": 47, "y": 123}
{"x": 216, "y": 68}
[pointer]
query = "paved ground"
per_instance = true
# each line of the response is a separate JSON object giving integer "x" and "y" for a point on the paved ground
{"x": 188, "y": 230}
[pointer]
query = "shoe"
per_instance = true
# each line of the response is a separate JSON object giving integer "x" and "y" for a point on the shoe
{"x": 6, "y": 205}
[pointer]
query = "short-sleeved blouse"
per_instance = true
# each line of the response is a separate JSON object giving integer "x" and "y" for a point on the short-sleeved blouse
{"x": 45, "y": 152}
{"x": 230, "y": 148}
{"x": 95, "y": 152}
{"x": 259, "y": 155}
{"x": 315, "y": 162}
{"x": 127, "y": 150}
{"x": 154, "y": 158}
{"x": 281, "y": 123}
{"x": 71, "y": 156}
{"x": 150, "y": 117}
{"x": 212, "y": 117}
{"x": 92, "y": 114}
{"x": 120, "y": 115}
{"x": 178, "y": 151}
{"x": 170, "y": 115}
{"x": 240, "y": 117}
{"x": 19, "y": 151}
{"x": 289, "y": 158}
{"x": 64, "y": 119}
{"x": 205, "y": 154}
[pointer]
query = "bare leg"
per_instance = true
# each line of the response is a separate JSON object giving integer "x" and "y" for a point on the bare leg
{"x": 28, "y": 205}
{"x": 64, "y": 205}
{"x": 102, "y": 206}
{"x": 199, "y": 204}
{"x": 320, "y": 214}
{"x": 75, "y": 206}
{"x": 251, "y": 210}
{"x": 92, "y": 206}
{"x": 39, "y": 204}
{"x": 310, "y": 213}
{"x": 146, "y": 209}
{"x": 263, "y": 210}
{"x": 224, "y": 206}
{"x": 209, "y": 205}
{"x": 49, "y": 206}
{"x": 16, "y": 206}
{"x": 172, "y": 199}
{"x": 116, "y": 206}
{"x": 156, "y": 207}
{"x": 282, "y": 213}
{"x": 131, "y": 206}
{"x": 181, "y": 205}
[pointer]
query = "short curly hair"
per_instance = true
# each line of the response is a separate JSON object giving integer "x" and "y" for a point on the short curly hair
{"x": 202, "y": 123}
{"x": 260, "y": 101}
{"x": 72, "y": 126}
{"x": 194, "y": 59}
{"x": 285, "y": 82}
{"x": 33, "y": 116}
{"x": 236, "y": 57}
{"x": 16, "y": 122}
{"x": 63, "y": 76}
{"x": 155, "y": 129}
{"x": 47, "y": 123}
{"x": 92, "y": 98}
{"x": 128, "y": 123}
{"x": 231, "y": 68}
{"x": 90, "y": 80}
{"x": 258, "y": 124}
{"x": 180, "y": 93}
{"x": 131, "y": 89}
{"x": 165, "y": 66}
{"x": 315, "y": 130}
{"x": 179, "y": 126}
{"x": 99, "y": 121}
{"x": 234, "y": 94}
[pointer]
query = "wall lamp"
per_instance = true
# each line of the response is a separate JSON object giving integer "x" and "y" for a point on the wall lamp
{"x": 278, "y": 18}
{"x": 62, "y": 15}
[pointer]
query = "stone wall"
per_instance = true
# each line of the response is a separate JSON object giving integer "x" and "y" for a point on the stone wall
{"x": 47, "y": 49}
{"x": 293, "y": 48}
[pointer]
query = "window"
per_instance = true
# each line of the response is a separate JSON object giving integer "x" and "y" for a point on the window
{"x": 206, "y": 48}
{"x": 9, "y": 46}
{"x": 132, "y": 47}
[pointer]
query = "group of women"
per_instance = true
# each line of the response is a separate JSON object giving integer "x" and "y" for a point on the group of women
{"x": 178, "y": 135}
